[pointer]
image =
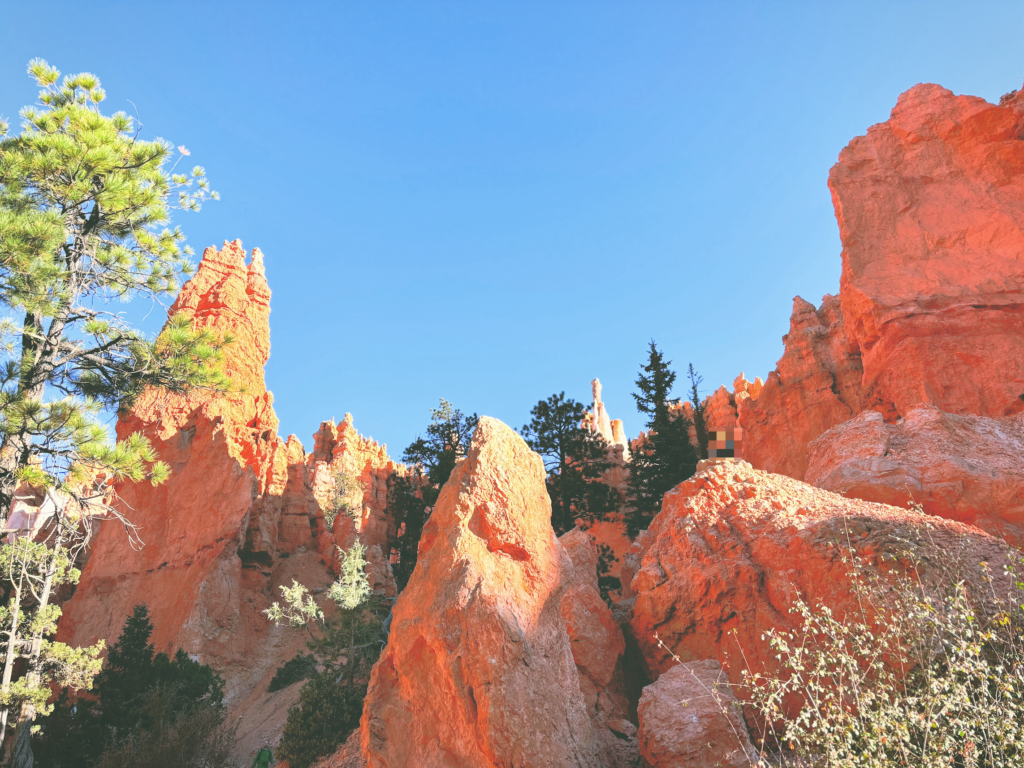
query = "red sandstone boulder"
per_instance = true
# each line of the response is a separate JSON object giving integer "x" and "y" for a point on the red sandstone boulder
{"x": 968, "y": 468}
{"x": 479, "y": 667}
{"x": 689, "y": 718}
{"x": 732, "y": 548}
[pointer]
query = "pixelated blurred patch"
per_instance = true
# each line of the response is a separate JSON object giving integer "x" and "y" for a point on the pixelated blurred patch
{"x": 725, "y": 443}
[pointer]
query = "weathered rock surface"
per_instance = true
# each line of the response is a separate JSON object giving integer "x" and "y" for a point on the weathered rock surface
{"x": 966, "y": 468}
{"x": 208, "y": 557}
{"x": 479, "y": 667}
{"x": 732, "y": 548}
{"x": 690, "y": 717}
{"x": 930, "y": 207}
{"x": 930, "y": 310}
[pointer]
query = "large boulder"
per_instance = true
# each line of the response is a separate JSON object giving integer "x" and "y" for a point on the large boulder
{"x": 479, "y": 667}
{"x": 961, "y": 467}
{"x": 689, "y": 718}
{"x": 733, "y": 548}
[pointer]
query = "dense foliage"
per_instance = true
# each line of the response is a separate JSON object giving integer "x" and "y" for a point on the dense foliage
{"x": 328, "y": 712}
{"x": 575, "y": 459}
{"x": 84, "y": 221}
{"x": 141, "y": 698}
{"x": 432, "y": 458}
{"x": 664, "y": 456}
{"x": 928, "y": 672}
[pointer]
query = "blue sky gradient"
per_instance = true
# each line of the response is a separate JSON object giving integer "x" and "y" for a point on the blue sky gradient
{"x": 494, "y": 202}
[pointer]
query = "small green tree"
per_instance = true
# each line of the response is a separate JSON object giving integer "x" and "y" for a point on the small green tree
{"x": 575, "y": 459}
{"x": 32, "y": 571}
{"x": 664, "y": 457}
{"x": 327, "y": 713}
{"x": 84, "y": 221}
{"x": 342, "y": 643}
{"x": 433, "y": 458}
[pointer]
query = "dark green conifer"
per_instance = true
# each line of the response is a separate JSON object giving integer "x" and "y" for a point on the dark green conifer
{"x": 432, "y": 458}
{"x": 575, "y": 459}
{"x": 664, "y": 457}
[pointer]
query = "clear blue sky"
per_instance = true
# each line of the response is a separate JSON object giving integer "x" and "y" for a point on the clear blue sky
{"x": 493, "y": 202}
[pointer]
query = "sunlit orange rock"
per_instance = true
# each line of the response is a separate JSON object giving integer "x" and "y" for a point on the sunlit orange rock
{"x": 689, "y": 719}
{"x": 479, "y": 667}
{"x": 930, "y": 310}
{"x": 960, "y": 467}
{"x": 242, "y": 510}
{"x": 725, "y": 559}
{"x": 930, "y": 207}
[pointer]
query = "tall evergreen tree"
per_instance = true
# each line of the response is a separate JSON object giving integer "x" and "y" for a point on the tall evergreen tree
{"x": 664, "y": 457}
{"x": 575, "y": 459}
{"x": 433, "y": 458}
{"x": 84, "y": 221}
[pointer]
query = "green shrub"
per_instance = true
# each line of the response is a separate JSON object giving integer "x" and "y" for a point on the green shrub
{"x": 328, "y": 712}
{"x": 299, "y": 667}
{"x": 929, "y": 672}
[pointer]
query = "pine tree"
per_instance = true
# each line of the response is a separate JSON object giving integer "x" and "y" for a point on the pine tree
{"x": 664, "y": 457}
{"x": 342, "y": 643}
{"x": 433, "y": 458}
{"x": 84, "y": 221}
{"x": 139, "y": 694}
{"x": 575, "y": 459}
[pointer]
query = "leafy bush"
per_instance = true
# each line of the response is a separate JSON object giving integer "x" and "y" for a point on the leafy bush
{"x": 929, "y": 672}
{"x": 299, "y": 667}
{"x": 328, "y": 712}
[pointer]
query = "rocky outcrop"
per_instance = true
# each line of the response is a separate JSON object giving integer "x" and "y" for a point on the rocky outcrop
{"x": 610, "y": 429}
{"x": 965, "y": 468}
{"x": 930, "y": 207}
{"x": 689, "y": 718}
{"x": 930, "y": 310}
{"x": 815, "y": 385}
{"x": 732, "y": 547}
{"x": 479, "y": 668}
{"x": 241, "y": 512}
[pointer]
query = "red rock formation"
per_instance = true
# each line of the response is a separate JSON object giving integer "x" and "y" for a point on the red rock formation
{"x": 815, "y": 386}
{"x": 689, "y": 719}
{"x": 238, "y": 497}
{"x": 930, "y": 310}
{"x": 732, "y": 547}
{"x": 479, "y": 669}
{"x": 965, "y": 468}
{"x": 221, "y": 449}
{"x": 930, "y": 207}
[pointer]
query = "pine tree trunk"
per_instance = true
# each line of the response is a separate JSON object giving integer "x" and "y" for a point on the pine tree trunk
{"x": 11, "y": 653}
{"x": 23, "y": 757}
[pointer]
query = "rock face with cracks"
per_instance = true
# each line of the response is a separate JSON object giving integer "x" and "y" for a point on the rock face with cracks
{"x": 208, "y": 555}
{"x": 964, "y": 468}
{"x": 479, "y": 668}
{"x": 732, "y": 547}
{"x": 930, "y": 311}
{"x": 689, "y": 718}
